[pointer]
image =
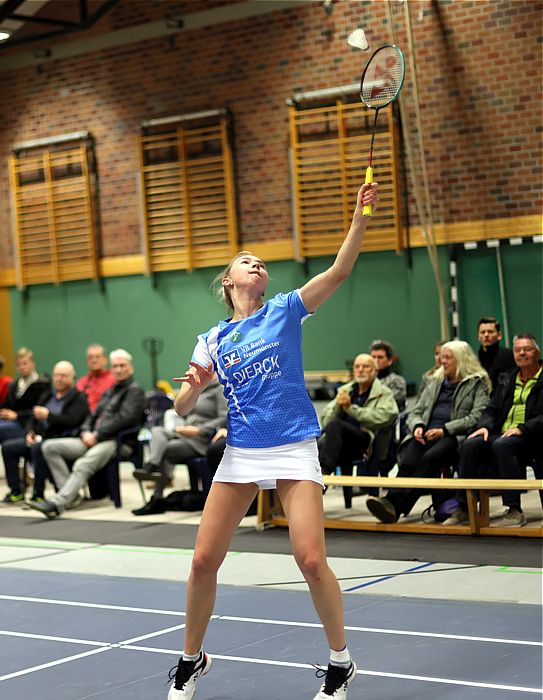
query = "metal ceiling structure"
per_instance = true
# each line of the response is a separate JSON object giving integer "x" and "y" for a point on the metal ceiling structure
{"x": 26, "y": 23}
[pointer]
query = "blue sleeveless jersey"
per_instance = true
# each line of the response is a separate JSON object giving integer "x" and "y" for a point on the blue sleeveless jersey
{"x": 259, "y": 363}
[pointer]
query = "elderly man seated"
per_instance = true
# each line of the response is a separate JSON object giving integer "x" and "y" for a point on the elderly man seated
{"x": 58, "y": 412}
{"x": 121, "y": 407}
{"x": 361, "y": 408}
{"x": 509, "y": 434}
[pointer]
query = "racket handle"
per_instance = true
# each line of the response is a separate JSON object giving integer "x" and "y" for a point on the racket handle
{"x": 368, "y": 209}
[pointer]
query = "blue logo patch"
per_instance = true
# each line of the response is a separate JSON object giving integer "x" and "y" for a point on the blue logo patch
{"x": 231, "y": 358}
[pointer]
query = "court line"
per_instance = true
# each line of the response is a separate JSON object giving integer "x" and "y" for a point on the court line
{"x": 459, "y": 567}
{"x": 153, "y": 634}
{"x": 513, "y": 570}
{"x": 388, "y": 577}
{"x": 49, "y": 638}
{"x": 58, "y": 662}
{"x": 362, "y": 672}
{"x": 380, "y": 630}
{"x": 104, "y": 646}
{"x": 100, "y": 606}
{"x": 126, "y": 644}
{"x": 267, "y": 621}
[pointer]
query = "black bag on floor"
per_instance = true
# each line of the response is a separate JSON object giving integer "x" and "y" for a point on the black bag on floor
{"x": 185, "y": 500}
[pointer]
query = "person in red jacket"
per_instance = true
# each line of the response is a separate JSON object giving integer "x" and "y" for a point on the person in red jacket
{"x": 99, "y": 377}
{"x": 4, "y": 380}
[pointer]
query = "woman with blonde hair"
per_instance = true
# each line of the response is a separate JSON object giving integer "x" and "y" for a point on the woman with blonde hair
{"x": 451, "y": 403}
{"x": 271, "y": 443}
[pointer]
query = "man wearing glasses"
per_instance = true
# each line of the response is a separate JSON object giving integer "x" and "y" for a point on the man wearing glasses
{"x": 509, "y": 436}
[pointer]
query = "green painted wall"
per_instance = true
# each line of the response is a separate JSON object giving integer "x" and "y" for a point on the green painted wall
{"x": 479, "y": 293}
{"x": 382, "y": 298}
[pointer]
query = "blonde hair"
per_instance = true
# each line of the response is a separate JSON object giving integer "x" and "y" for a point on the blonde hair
{"x": 430, "y": 372}
{"x": 24, "y": 352}
{"x": 223, "y": 293}
{"x": 467, "y": 363}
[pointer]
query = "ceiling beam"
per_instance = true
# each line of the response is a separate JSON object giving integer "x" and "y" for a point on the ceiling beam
{"x": 42, "y": 20}
{"x": 8, "y": 7}
{"x": 67, "y": 27}
{"x": 153, "y": 30}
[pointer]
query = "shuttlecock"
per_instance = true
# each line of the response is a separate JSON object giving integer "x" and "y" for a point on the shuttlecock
{"x": 358, "y": 40}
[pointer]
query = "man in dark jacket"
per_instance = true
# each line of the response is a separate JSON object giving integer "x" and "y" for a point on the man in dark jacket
{"x": 22, "y": 396}
{"x": 58, "y": 412}
{"x": 120, "y": 407}
{"x": 510, "y": 432}
{"x": 492, "y": 356}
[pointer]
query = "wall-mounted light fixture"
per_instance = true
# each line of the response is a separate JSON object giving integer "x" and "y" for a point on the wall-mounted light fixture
{"x": 42, "y": 53}
{"x": 174, "y": 23}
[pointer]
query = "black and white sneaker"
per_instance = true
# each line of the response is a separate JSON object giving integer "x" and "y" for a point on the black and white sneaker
{"x": 187, "y": 675}
{"x": 336, "y": 681}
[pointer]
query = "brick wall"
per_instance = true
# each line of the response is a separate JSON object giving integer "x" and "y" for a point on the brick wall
{"x": 479, "y": 72}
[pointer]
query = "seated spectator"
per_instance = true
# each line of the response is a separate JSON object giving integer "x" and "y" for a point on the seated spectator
{"x": 181, "y": 439}
{"x": 214, "y": 455}
{"x": 121, "y": 407}
{"x": 437, "y": 364}
{"x": 349, "y": 422}
{"x": 450, "y": 406}
{"x": 99, "y": 377}
{"x": 5, "y": 380}
{"x": 22, "y": 395}
{"x": 492, "y": 357}
{"x": 58, "y": 413}
{"x": 509, "y": 434}
{"x": 215, "y": 451}
{"x": 383, "y": 354}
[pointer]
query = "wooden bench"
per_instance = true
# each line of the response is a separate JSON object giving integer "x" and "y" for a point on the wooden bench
{"x": 270, "y": 510}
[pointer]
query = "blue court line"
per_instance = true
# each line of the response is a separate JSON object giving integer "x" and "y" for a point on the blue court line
{"x": 387, "y": 578}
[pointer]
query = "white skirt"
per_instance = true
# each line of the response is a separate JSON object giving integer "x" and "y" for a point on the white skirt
{"x": 263, "y": 466}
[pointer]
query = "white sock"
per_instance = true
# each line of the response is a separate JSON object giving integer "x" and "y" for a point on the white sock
{"x": 192, "y": 657}
{"x": 340, "y": 658}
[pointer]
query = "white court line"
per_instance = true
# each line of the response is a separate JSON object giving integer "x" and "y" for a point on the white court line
{"x": 126, "y": 644}
{"x": 104, "y": 646}
{"x": 380, "y": 630}
{"x": 383, "y": 674}
{"x": 50, "y": 664}
{"x": 48, "y": 638}
{"x": 153, "y": 634}
{"x": 265, "y": 621}
{"x": 100, "y": 606}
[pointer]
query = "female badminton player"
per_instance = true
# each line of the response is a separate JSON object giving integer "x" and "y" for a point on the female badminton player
{"x": 272, "y": 431}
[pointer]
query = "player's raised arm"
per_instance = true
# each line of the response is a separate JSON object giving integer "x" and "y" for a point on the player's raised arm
{"x": 323, "y": 285}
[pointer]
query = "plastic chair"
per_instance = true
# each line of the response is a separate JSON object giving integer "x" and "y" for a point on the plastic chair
{"x": 106, "y": 482}
{"x": 157, "y": 404}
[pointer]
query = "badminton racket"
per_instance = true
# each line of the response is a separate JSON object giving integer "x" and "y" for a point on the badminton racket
{"x": 380, "y": 85}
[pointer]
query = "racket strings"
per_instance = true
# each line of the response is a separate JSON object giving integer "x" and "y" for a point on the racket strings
{"x": 383, "y": 78}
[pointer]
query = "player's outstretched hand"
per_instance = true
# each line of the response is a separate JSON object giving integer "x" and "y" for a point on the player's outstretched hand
{"x": 196, "y": 375}
{"x": 367, "y": 194}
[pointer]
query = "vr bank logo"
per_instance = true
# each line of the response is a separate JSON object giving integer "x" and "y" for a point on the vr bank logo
{"x": 231, "y": 358}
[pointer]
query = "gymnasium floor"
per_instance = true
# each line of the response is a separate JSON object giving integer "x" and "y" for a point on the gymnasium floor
{"x": 92, "y": 607}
